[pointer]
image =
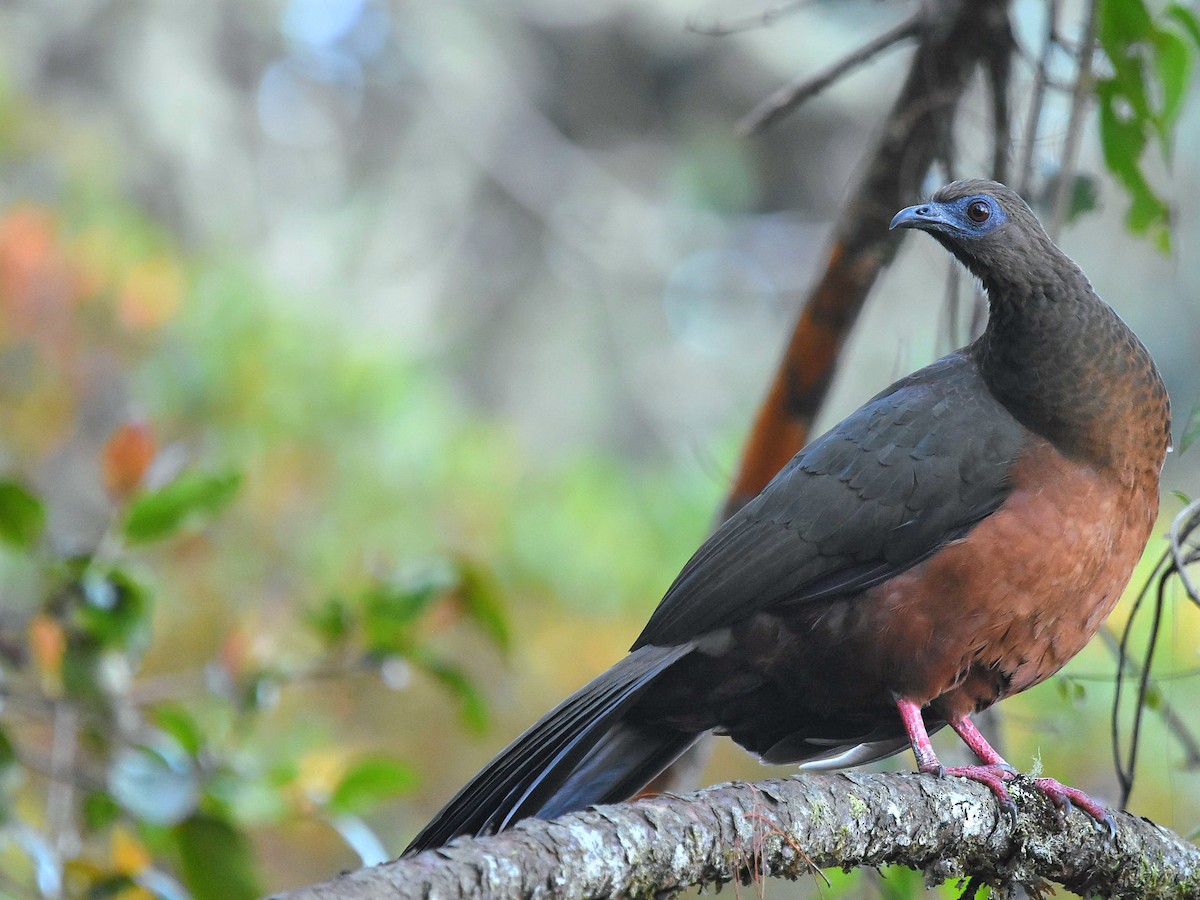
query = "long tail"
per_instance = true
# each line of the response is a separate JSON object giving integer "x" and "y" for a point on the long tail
{"x": 578, "y": 754}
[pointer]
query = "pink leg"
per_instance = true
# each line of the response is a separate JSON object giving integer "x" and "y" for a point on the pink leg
{"x": 994, "y": 771}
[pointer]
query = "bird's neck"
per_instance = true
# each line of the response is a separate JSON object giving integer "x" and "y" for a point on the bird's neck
{"x": 1066, "y": 366}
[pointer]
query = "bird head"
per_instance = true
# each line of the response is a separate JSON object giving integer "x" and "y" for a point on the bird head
{"x": 987, "y": 226}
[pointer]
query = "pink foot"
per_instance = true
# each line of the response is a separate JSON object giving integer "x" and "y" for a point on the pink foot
{"x": 1064, "y": 797}
{"x": 993, "y": 776}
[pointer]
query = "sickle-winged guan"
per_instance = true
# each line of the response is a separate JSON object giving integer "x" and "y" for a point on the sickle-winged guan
{"x": 954, "y": 541}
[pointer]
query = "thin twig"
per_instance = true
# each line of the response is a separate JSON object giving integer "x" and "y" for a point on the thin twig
{"x": 60, "y": 795}
{"x": 1034, "y": 117}
{"x": 768, "y": 16}
{"x": 1124, "y": 773}
{"x": 1144, "y": 682}
{"x": 1174, "y": 723}
{"x": 1183, "y": 526}
{"x": 1080, "y": 100}
{"x": 786, "y": 99}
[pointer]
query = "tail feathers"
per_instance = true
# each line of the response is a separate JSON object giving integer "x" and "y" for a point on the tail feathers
{"x": 626, "y": 759}
{"x": 526, "y": 778}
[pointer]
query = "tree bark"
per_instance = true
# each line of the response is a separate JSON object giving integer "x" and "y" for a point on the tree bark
{"x": 948, "y": 828}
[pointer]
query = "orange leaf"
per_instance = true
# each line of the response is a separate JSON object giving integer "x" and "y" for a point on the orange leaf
{"x": 30, "y": 265}
{"x": 48, "y": 643}
{"x": 127, "y": 454}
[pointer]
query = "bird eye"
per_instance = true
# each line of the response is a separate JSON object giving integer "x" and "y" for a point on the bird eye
{"x": 978, "y": 211}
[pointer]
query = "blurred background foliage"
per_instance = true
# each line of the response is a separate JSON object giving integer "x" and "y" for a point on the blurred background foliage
{"x": 368, "y": 370}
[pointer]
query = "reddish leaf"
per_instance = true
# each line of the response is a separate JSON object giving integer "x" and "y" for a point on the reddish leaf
{"x": 127, "y": 454}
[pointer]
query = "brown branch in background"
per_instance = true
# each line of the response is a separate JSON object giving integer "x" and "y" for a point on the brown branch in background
{"x": 788, "y": 98}
{"x": 953, "y": 36}
{"x": 742, "y": 832}
{"x": 1037, "y": 98}
{"x": 1080, "y": 101}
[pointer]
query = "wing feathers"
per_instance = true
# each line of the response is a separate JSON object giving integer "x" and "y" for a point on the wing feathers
{"x": 914, "y": 468}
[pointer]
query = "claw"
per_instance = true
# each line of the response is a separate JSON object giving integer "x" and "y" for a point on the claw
{"x": 1064, "y": 797}
{"x": 1108, "y": 827}
{"x": 1010, "y": 812}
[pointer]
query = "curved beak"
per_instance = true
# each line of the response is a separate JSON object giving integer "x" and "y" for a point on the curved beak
{"x": 926, "y": 217}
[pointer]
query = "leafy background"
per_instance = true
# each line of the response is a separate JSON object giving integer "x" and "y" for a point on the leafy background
{"x": 367, "y": 371}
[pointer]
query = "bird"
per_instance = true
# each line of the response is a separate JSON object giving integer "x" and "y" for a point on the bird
{"x": 954, "y": 541}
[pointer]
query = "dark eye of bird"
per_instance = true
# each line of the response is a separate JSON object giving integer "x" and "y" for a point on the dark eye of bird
{"x": 978, "y": 211}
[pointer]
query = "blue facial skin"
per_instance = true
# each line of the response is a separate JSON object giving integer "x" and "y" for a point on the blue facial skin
{"x": 951, "y": 218}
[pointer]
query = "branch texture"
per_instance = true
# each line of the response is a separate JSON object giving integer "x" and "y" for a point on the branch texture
{"x": 790, "y": 828}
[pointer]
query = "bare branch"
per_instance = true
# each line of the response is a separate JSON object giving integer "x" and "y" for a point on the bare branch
{"x": 1183, "y": 528}
{"x": 786, "y": 99}
{"x": 1080, "y": 101}
{"x": 1034, "y": 117}
{"x": 949, "y": 828}
{"x": 762, "y": 19}
{"x": 999, "y": 70}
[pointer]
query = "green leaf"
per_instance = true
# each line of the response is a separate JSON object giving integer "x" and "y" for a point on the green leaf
{"x": 8, "y": 755}
{"x": 390, "y": 610}
{"x": 371, "y": 782}
{"x": 182, "y": 726}
{"x": 1085, "y": 196}
{"x": 1191, "y": 430}
{"x": 190, "y": 497}
{"x": 1151, "y": 69}
{"x": 1123, "y": 138}
{"x": 471, "y": 708}
{"x": 21, "y": 515}
{"x": 216, "y": 859}
{"x": 1186, "y": 19}
{"x": 1173, "y": 64}
{"x": 1123, "y": 22}
{"x": 332, "y": 620}
{"x": 483, "y": 604}
{"x": 115, "y": 611}
{"x": 99, "y": 810}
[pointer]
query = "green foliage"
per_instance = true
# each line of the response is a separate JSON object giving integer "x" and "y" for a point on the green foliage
{"x": 189, "y": 770}
{"x": 471, "y": 707}
{"x": 190, "y": 497}
{"x": 371, "y": 782}
{"x": 216, "y": 859}
{"x": 21, "y": 515}
{"x": 1151, "y": 60}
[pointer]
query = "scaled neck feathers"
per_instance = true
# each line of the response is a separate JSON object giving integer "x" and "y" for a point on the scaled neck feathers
{"x": 1065, "y": 365}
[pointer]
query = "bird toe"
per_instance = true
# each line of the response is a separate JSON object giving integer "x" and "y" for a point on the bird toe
{"x": 1064, "y": 797}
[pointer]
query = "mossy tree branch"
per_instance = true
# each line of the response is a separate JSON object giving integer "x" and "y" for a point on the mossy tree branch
{"x": 948, "y": 828}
